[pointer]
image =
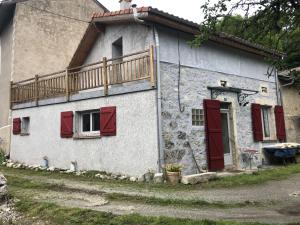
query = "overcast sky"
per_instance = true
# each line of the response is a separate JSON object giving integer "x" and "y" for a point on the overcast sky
{"x": 189, "y": 9}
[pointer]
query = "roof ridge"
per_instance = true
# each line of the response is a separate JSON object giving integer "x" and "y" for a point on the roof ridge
{"x": 121, "y": 12}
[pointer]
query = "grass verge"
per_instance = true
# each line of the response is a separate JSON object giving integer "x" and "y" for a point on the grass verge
{"x": 177, "y": 202}
{"x": 259, "y": 177}
{"x": 57, "y": 215}
{"x": 17, "y": 184}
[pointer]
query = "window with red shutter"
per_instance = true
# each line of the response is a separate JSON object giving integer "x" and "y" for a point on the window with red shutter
{"x": 257, "y": 122}
{"x": 213, "y": 128}
{"x": 16, "y": 126}
{"x": 108, "y": 121}
{"x": 66, "y": 124}
{"x": 280, "y": 123}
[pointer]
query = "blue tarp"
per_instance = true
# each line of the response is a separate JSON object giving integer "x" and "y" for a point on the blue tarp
{"x": 282, "y": 152}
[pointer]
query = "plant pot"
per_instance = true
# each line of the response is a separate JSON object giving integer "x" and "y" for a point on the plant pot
{"x": 173, "y": 177}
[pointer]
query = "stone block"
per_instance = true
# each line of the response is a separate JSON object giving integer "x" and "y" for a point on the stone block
{"x": 198, "y": 178}
{"x": 158, "y": 178}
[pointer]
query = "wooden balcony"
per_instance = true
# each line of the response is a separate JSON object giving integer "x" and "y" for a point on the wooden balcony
{"x": 129, "y": 68}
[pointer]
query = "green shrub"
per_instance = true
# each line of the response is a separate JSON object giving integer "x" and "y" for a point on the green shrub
{"x": 2, "y": 156}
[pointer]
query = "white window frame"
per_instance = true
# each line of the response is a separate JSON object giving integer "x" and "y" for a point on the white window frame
{"x": 201, "y": 119}
{"x": 80, "y": 121}
{"x": 271, "y": 120}
{"x": 25, "y": 125}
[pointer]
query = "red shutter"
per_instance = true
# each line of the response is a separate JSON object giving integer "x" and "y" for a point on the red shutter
{"x": 108, "y": 119}
{"x": 16, "y": 126}
{"x": 257, "y": 122}
{"x": 213, "y": 128}
{"x": 66, "y": 124}
{"x": 280, "y": 124}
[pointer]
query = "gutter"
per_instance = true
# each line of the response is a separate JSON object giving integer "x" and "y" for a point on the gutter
{"x": 138, "y": 19}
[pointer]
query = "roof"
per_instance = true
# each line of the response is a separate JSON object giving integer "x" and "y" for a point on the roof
{"x": 285, "y": 74}
{"x": 156, "y": 16}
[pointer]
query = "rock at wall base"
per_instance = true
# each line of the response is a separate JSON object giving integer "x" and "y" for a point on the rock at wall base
{"x": 158, "y": 178}
{"x": 198, "y": 178}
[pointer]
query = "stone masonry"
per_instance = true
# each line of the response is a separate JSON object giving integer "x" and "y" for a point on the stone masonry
{"x": 184, "y": 143}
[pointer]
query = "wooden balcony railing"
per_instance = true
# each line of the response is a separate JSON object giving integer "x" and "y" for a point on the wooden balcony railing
{"x": 129, "y": 68}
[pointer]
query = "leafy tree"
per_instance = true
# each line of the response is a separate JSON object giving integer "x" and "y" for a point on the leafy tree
{"x": 272, "y": 23}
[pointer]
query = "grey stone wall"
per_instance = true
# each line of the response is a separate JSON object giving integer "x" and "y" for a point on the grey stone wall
{"x": 184, "y": 143}
{"x": 291, "y": 103}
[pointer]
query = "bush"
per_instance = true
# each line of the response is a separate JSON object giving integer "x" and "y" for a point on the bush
{"x": 2, "y": 156}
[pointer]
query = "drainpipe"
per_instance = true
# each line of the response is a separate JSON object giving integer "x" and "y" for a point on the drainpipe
{"x": 278, "y": 91}
{"x": 161, "y": 160}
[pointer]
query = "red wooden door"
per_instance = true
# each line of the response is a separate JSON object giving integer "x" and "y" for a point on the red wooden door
{"x": 280, "y": 123}
{"x": 213, "y": 128}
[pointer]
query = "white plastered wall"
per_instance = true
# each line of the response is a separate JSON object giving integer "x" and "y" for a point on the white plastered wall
{"x": 133, "y": 151}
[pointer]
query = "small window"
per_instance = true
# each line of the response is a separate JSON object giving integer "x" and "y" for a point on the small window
{"x": 197, "y": 117}
{"x": 90, "y": 122}
{"x": 117, "y": 48}
{"x": 264, "y": 90}
{"x": 223, "y": 83}
{"x": 25, "y": 125}
{"x": 266, "y": 111}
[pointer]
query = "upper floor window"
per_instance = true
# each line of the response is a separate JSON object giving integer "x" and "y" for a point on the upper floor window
{"x": 117, "y": 48}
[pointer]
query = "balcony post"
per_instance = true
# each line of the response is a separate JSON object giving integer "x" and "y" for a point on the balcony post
{"x": 11, "y": 97}
{"x": 105, "y": 80}
{"x": 67, "y": 85}
{"x": 36, "y": 87}
{"x": 151, "y": 55}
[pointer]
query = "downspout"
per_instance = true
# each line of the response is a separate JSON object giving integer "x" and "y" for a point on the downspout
{"x": 278, "y": 93}
{"x": 161, "y": 154}
{"x": 161, "y": 160}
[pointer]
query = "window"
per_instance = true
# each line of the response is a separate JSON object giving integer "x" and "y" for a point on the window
{"x": 90, "y": 122}
{"x": 223, "y": 83}
{"x": 197, "y": 117}
{"x": 117, "y": 48}
{"x": 266, "y": 111}
{"x": 264, "y": 90}
{"x": 25, "y": 125}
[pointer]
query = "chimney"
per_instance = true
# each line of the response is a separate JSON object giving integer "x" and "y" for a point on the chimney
{"x": 125, "y": 4}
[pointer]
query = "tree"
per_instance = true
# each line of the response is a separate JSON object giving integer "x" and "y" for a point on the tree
{"x": 272, "y": 23}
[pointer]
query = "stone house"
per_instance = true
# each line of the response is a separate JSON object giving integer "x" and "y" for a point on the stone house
{"x": 37, "y": 36}
{"x": 290, "y": 95}
{"x": 137, "y": 96}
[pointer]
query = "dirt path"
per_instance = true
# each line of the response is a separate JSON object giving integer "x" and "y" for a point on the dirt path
{"x": 274, "y": 191}
{"x": 285, "y": 207}
{"x": 283, "y": 213}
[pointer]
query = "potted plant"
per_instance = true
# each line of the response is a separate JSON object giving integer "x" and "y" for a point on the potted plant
{"x": 173, "y": 173}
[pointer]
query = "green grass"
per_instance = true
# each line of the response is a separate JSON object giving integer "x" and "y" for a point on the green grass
{"x": 17, "y": 184}
{"x": 2, "y": 156}
{"x": 177, "y": 202}
{"x": 260, "y": 177}
{"x": 57, "y": 215}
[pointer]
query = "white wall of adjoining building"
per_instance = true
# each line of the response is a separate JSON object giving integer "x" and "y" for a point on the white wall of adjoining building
{"x": 133, "y": 151}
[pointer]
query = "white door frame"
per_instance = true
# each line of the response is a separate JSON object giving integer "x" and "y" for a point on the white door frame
{"x": 228, "y": 159}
